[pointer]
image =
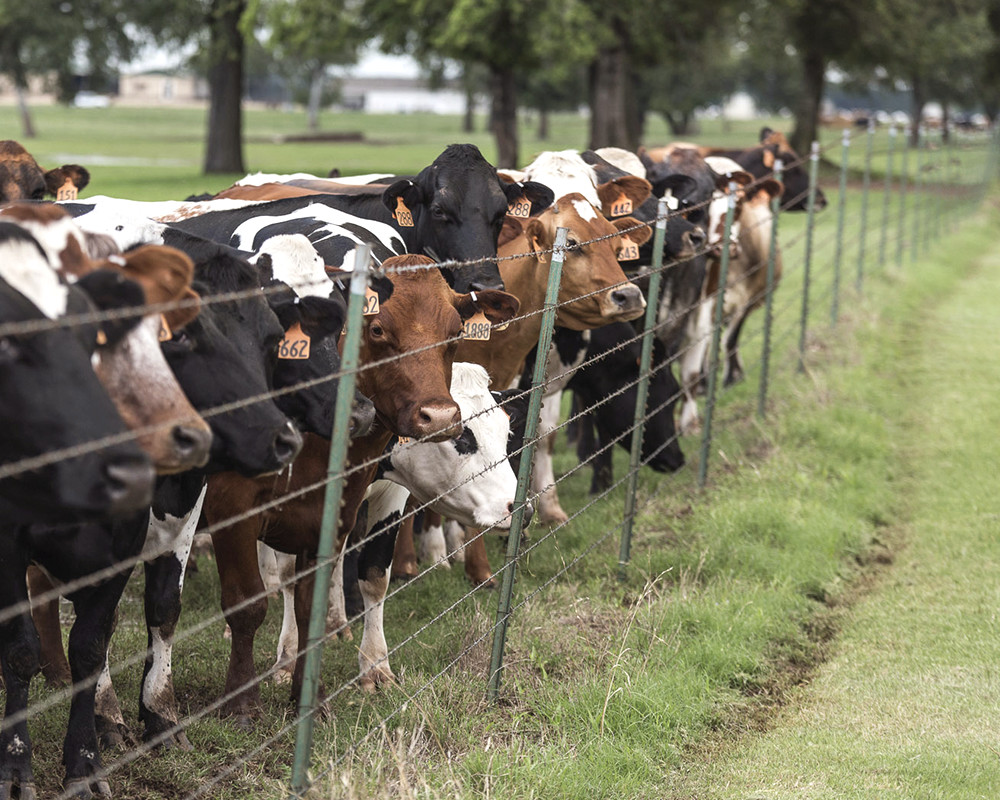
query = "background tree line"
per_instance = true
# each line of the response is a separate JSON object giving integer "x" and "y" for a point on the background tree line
{"x": 623, "y": 60}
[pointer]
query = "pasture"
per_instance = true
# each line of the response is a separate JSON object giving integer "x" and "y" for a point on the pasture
{"x": 733, "y": 592}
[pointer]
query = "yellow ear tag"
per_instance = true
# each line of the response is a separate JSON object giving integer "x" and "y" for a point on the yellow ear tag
{"x": 477, "y": 328}
{"x": 67, "y": 191}
{"x": 371, "y": 302}
{"x": 520, "y": 208}
{"x": 402, "y": 214}
{"x": 165, "y": 333}
{"x": 102, "y": 338}
{"x": 621, "y": 207}
{"x": 295, "y": 345}
{"x": 403, "y": 439}
{"x": 629, "y": 251}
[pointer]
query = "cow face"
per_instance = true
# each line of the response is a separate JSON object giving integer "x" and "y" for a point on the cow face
{"x": 591, "y": 271}
{"x": 795, "y": 172}
{"x": 22, "y": 179}
{"x": 456, "y": 208}
{"x": 228, "y": 354}
{"x": 412, "y": 342}
{"x": 469, "y": 478}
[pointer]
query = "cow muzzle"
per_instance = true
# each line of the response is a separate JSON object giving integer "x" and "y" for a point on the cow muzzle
{"x": 623, "y": 303}
{"x": 692, "y": 243}
{"x": 434, "y": 422}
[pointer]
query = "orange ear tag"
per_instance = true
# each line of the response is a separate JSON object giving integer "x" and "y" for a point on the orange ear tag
{"x": 477, "y": 328}
{"x": 371, "y": 302}
{"x": 102, "y": 338}
{"x": 67, "y": 191}
{"x": 629, "y": 251}
{"x": 520, "y": 208}
{"x": 403, "y": 439}
{"x": 165, "y": 333}
{"x": 621, "y": 207}
{"x": 402, "y": 214}
{"x": 295, "y": 345}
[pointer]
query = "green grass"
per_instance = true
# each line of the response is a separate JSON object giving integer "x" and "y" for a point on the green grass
{"x": 638, "y": 689}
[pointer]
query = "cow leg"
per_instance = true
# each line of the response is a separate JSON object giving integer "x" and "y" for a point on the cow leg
{"x": 374, "y": 563}
{"x": 404, "y": 559}
{"x": 431, "y": 545}
{"x": 277, "y": 571}
{"x": 20, "y": 654}
{"x": 477, "y": 563}
{"x": 45, "y": 615}
{"x": 454, "y": 537}
{"x": 172, "y": 536}
{"x": 112, "y": 732}
{"x": 543, "y": 478}
{"x": 88, "y": 651}
{"x": 692, "y": 365}
{"x": 733, "y": 369}
{"x": 603, "y": 463}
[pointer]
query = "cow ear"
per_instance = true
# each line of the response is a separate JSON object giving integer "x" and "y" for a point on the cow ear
{"x": 322, "y": 316}
{"x": 537, "y": 235}
{"x": 538, "y": 194}
{"x": 632, "y": 187}
{"x": 110, "y": 290}
{"x": 410, "y": 193}
{"x": 499, "y": 307}
{"x": 73, "y": 174}
{"x": 512, "y": 228}
{"x": 177, "y": 318}
{"x": 637, "y": 232}
{"x": 679, "y": 185}
{"x": 740, "y": 177}
{"x": 382, "y": 286}
{"x": 765, "y": 132}
{"x": 770, "y": 187}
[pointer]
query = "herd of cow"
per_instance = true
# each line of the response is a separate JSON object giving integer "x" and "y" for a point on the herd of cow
{"x": 171, "y": 367}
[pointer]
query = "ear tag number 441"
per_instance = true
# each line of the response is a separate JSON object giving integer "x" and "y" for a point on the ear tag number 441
{"x": 295, "y": 345}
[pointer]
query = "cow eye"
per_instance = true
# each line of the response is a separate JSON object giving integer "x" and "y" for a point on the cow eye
{"x": 376, "y": 330}
{"x": 439, "y": 213}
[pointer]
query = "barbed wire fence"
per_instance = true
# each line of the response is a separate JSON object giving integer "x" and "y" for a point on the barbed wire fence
{"x": 947, "y": 179}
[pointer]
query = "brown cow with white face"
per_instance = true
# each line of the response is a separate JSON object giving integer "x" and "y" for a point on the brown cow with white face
{"x": 22, "y": 179}
{"x": 417, "y": 329}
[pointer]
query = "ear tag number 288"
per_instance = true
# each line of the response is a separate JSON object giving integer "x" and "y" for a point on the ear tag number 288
{"x": 295, "y": 345}
{"x": 402, "y": 214}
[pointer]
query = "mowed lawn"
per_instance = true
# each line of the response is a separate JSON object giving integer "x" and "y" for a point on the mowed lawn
{"x": 734, "y": 595}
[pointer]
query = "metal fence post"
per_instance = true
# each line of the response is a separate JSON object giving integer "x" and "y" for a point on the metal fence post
{"x": 330, "y": 522}
{"x": 917, "y": 204}
{"x": 841, "y": 210}
{"x": 929, "y": 203}
{"x": 765, "y": 356}
{"x": 886, "y": 193}
{"x": 645, "y": 358}
{"x": 813, "y": 169}
{"x": 524, "y": 472}
{"x": 713, "y": 367}
{"x": 901, "y": 222}
{"x": 863, "y": 235}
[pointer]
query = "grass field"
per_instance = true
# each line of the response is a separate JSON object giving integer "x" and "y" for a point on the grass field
{"x": 611, "y": 690}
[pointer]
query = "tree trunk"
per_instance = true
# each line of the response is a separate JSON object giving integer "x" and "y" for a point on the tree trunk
{"x": 807, "y": 108}
{"x": 27, "y": 124}
{"x": 609, "y": 100}
{"x": 916, "y": 111}
{"x": 224, "y": 143}
{"x": 543, "y": 123}
{"x": 679, "y": 122}
{"x": 469, "y": 118}
{"x": 316, "y": 82}
{"x": 945, "y": 120}
{"x": 503, "y": 116}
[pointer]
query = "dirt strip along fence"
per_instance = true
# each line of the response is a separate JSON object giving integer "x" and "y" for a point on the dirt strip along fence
{"x": 922, "y": 193}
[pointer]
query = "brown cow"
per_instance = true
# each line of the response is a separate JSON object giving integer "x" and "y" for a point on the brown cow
{"x": 22, "y": 179}
{"x": 277, "y": 191}
{"x": 591, "y": 270}
{"x": 421, "y": 320}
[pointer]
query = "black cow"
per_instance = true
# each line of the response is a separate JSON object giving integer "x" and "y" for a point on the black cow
{"x": 601, "y": 379}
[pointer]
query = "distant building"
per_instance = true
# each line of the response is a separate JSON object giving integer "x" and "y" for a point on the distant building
{"x": 161, "y": 88}
{"x": 400, "y": 96}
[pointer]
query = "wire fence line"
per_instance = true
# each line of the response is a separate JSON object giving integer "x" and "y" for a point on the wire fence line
{"x": 921, "y": 202}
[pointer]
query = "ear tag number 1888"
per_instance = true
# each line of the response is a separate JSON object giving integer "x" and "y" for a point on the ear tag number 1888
{"x": 477, "y": 328}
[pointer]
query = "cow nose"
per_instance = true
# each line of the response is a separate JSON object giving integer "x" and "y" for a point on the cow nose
{"x": 362, "y": 416}
{"x": 529, "y": 512}
{"x": 695, "y": 239}
{"x": 129, "y": 480}
{"x": 486, "y": 284}
{"x": 287, "y": 444}
{"x": 192, "y": 444}
{"x": 628, "y": 298}
{"x": 438, "y": 422}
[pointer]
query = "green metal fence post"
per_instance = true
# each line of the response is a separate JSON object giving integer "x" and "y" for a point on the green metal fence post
{"x": 929, "y": 198}
{"x": 886, "y": 194}
{"x": 333, "y": 493}
{"x": 917, "y": 204}
{"x": 765, "y": 355}
{"x": 524, "y": 472}
{"x": 713, "y": 367}
{"x": 841, "y": 211}
{"x": 645, "y": 358}
{"x": 807, "y": 266}
{"x": 863, "y": 234}
{"x": 903, "y": 176}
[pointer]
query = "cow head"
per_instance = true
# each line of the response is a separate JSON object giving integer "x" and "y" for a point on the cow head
{"x": 22, "y": 179}
{"x": 48, "y": 385}
{"x": 795, "y": 172}
{"x": 411, "y": 344}
{"x": 591, "y": 270}
{"x": 455, "y": 209}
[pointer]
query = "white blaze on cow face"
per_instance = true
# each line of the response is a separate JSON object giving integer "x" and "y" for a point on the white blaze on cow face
{"x": 468, "y": 479}
{"x": 586, "y": 211}
{"x": 25, "y": 268}
{"x": 294, "y": 261}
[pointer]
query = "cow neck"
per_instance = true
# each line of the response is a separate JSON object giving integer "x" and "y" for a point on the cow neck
{"x": 526, "y": 278}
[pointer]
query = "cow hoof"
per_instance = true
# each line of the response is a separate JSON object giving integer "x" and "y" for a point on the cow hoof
{"x": 555, "y": 516}
{"x": 81, "y": 788}
{"x": 282, "y": 676}
{"x": 489, "y": 582}
{"x": 375, "y": 678}
{"x": 178, "y": 741}
{"x": 24, "y": 790}
{"x": 113, "y": 736}
{"x": 57, "y": 678}
{"x": 405, "y": 572}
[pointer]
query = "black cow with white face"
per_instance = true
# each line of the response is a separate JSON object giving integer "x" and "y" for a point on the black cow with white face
{"x": 600, "y": 379}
